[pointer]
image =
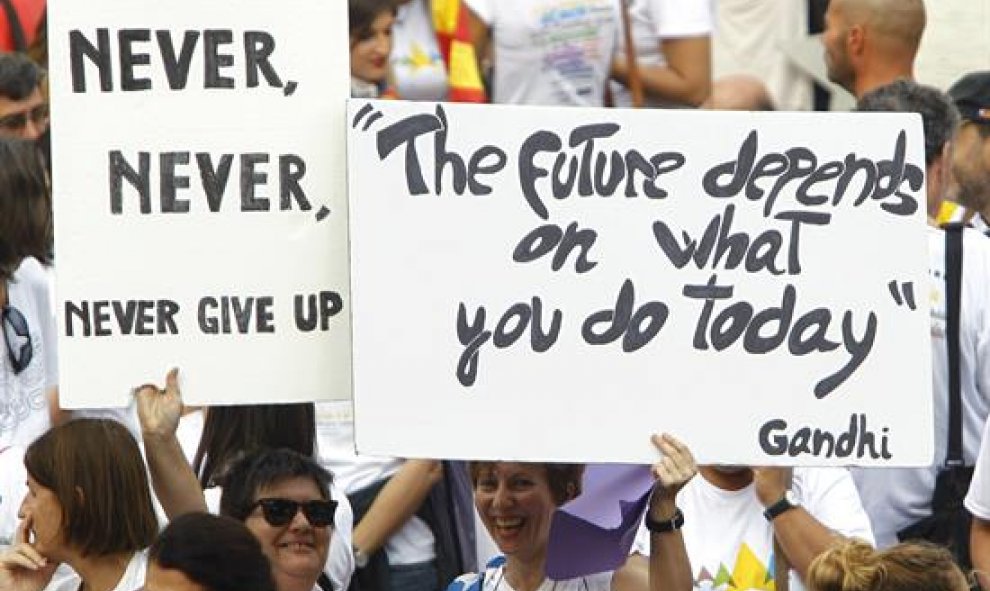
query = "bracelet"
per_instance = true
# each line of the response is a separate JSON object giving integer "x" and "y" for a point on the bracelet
{"x": 661, "y": 527}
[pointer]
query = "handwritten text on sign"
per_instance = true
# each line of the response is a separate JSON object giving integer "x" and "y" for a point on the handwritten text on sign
{"x": 200, "y": 200}
{"x": 750, "y": 282}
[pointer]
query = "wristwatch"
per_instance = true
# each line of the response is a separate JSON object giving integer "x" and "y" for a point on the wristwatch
{"x": 786, "y": 503}
{"x": 661, "y": 527}
{"x": 360, "y": 558}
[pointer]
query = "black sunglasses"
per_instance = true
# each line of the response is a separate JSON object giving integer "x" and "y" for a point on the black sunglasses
{"x": 16, "y": 335}
{"x": 279, "y": 512}
{"x": 17, "y": 121}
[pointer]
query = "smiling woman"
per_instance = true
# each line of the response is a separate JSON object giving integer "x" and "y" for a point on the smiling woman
{"x": 284, "y": 500}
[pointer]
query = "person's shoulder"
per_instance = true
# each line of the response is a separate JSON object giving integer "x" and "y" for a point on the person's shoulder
{"x": 31, "y": 272}
{"x": 811, "y": 480}
{"x": 476, "y": 581}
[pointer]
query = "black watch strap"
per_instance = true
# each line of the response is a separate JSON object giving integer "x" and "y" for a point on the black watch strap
{"x": 780, "y": 507}
{"x": 661, "y": 527}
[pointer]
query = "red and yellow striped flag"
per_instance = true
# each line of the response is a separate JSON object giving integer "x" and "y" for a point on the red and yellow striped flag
{"x": 451, "y": 22}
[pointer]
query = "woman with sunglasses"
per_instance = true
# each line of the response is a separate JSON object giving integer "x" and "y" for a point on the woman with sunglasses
{"x": 88, "y": 506}
{"x": 28, "y": 375}
{"x": 283, "y": 498}
{"x": 226, "y": 434}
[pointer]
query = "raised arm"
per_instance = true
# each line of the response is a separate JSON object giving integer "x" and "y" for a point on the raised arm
{"x": 669, "y": 568}
{"x": 801, "y": 536}
{"x": 172, "y": 477}
{"x": 396, "y": 503}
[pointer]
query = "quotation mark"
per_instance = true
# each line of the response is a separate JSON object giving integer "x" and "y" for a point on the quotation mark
{"x": 361, "y": 115}
{"x": 904, "y": 288}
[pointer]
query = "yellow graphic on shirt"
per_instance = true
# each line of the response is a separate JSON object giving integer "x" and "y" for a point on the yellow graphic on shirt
{"x": 749, "y": 573}
{"x": 418, "y": 58}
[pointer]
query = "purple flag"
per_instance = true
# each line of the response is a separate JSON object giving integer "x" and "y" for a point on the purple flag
{"x": 594, "y": 532}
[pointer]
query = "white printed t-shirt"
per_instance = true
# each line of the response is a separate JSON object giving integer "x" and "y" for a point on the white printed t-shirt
{"x": 23, "y": 401}
{"x": 494, "y": 580}
{"x": 654, "y": 21}
{"x": 418, "y": 70}
{"x": 550, "y": 52}
{"x": 730, "y": 543}
{"x": 897, "y": 497}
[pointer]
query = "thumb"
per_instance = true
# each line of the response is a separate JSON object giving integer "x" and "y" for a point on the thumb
{"x": 172, "y": 382}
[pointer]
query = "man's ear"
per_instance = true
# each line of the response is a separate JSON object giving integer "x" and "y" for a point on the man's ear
{"x": 937, "y": 180}
{"x": 856, "y": 40}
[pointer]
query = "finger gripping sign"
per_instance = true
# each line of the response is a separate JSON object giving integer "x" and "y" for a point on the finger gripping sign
{"x": 200, "y": 203}
{"x": 558, "y": 284}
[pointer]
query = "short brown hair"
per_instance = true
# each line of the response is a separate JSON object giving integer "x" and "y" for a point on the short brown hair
{"x": 565, "y": 480}
{"x": 25, "y": 206}
{"x": 853, "y": 565}
{"x": 95, "y": 470}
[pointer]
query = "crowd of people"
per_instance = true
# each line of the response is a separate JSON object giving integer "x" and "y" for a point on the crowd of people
{"x": 169, "y": 497}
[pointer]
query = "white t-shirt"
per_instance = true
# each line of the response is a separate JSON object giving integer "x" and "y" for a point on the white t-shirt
{"x": 413, "y": 542}
{"x": 340, "y": 557}
{"x": 978, "y": 499}
{"x": 418, "y": 70}
{"x": 133, "y": 577}
{"x": 550, "y": 52}
{"x": 654, "y": 21}
{"x": 494, "y": 580}
{"x": 13, "y": 487}
{"x": 727, "y": 536}
{"x": 23, "y": 402}
{"x": 897, "y": 497}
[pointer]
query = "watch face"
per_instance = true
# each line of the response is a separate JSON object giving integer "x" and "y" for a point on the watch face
{"x": 791, "y": 498}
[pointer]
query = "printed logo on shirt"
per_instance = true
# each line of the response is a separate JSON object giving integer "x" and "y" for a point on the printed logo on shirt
{"x": 748, "y": 573}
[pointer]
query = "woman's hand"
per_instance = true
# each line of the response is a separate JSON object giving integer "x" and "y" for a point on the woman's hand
{"x": 22, "y": 568}
{"x": 160, "y": 410}
{"x": 672, "y": 472}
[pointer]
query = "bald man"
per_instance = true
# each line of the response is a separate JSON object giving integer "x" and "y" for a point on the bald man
{"x": 871, "y": 43}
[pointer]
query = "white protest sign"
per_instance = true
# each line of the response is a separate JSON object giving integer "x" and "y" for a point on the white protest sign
{"x": 200, "y": 204}
{"x": 558, "y": 284}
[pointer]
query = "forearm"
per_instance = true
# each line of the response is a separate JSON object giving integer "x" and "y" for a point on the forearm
{"x": 979, "y": 548}
{"x": 396, "y": 503}
{"x": 670, "y": 569}
{"x": 802, "y": 538}
{"x": 173, "y": 480}
{"x": 685, "y": 78}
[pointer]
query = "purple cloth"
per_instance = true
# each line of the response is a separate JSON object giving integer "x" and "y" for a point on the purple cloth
{"x": 594, "y": 532}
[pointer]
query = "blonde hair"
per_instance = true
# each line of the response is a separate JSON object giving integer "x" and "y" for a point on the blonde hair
{"x": 853, "y": 565}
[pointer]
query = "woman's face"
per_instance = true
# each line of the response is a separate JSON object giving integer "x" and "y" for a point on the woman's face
{"x": 370, "y": 51}
{"x": 296, "y": 550}
{"x": 42, "y": 514}
{"x": 515, "y": 504}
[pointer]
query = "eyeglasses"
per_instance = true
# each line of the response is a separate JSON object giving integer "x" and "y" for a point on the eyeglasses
{"x": 17, "y": 337}
{"x": 16, "y": 121}
{"x": 279, "y": 512}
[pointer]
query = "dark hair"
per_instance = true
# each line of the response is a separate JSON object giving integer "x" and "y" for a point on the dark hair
{"x": 95, "y": 470}
{"x": 219, "y": 553}
{"x": 232, "y": 430}
{"x": 25, "y": 206}
{"x": 19, "y": 76}
{"x": 853, "y": 565}
{"x": 362, "y": 13}
{"x": 264, "y": 468}
{"x": 565, "y": 480}
{"x": 938, "y": 115}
